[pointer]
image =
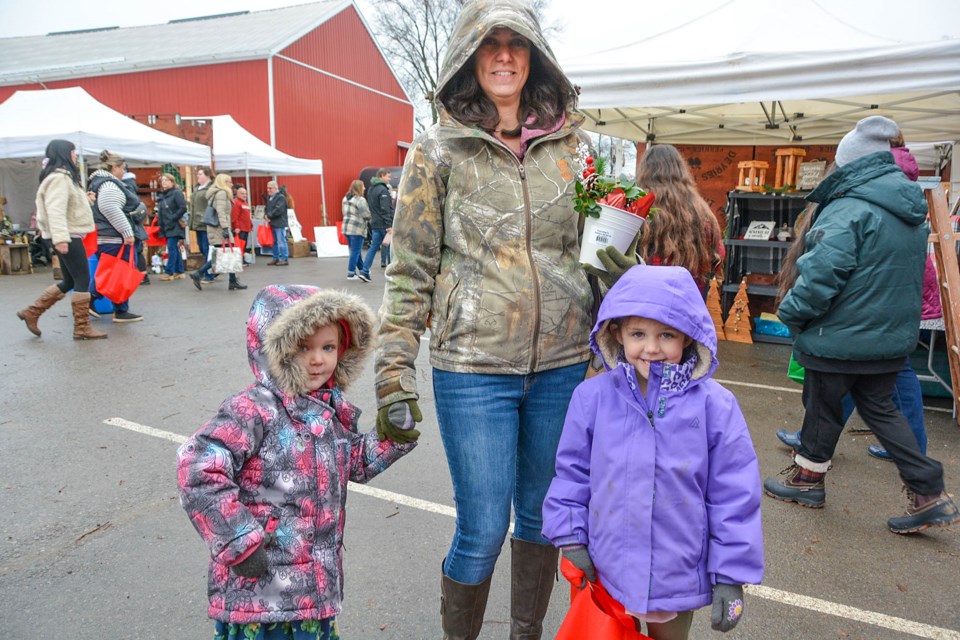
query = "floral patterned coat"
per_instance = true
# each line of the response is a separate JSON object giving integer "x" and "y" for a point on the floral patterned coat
{"x": 275, "y": 457}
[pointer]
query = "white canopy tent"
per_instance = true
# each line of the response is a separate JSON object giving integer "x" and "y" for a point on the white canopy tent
{"x": 29, "y": 120}
{"x": 238, "y": 152}
{"x": 737, "y": 72}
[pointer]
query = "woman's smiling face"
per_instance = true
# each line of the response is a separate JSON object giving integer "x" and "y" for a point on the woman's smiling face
{"x": 502, "y": 65}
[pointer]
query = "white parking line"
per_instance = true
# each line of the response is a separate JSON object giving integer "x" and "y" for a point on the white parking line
{"x": 902, "y": 625}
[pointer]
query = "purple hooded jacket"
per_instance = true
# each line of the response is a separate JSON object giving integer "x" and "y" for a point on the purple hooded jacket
{"x": 664, "y": 490}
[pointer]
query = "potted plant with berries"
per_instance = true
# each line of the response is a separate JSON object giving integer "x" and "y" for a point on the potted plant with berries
{"x": 613, "y": 210}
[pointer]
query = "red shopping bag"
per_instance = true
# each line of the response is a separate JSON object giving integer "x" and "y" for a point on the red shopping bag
{"x": 342, "y": 239}
{"x": 238, "y": 241}
{"x": 116, "y": 278}
{"x": 153, "y": 237}
{"x": 593, "y": 613}
{"x": 264, "y": 236}
{"x": 90, "y": 243}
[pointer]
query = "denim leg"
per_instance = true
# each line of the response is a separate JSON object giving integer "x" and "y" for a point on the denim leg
{"x": 874, "y": 399}
{"x": 542, "y": 414}
{"x": 280, "y": 242}
{"x": 203, "y": 243}
{"x": 376, "y": 239}
{"x": 479, "y": 423}
{"x": 275, "y": 249}
{"x": 356, "y": 250}
{"x": 908, "y": 397}
{"x": 385, "y": 254}
{"x": 174, "y": 264}
{"x": 823, "y": 414}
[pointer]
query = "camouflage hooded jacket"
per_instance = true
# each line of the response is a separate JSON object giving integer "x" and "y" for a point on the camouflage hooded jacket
{"x": 485, "y": 244}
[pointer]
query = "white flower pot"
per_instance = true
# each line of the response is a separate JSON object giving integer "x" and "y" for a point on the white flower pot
{"x": 614, "y": 227}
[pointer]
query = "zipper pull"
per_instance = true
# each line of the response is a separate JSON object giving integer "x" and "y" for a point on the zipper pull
{"x": 650, "y": 418}
{"x": 523, "y": 173}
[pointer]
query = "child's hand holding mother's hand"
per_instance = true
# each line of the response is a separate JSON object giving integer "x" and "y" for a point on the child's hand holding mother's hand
{"x": 396, "y": 422}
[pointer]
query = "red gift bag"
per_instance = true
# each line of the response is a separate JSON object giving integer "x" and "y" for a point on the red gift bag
{"x": 342, "y": 239}
{"x": 264, "y": 236}
{"x": 90, "y": 243}
{"x": 116, "y": 278}
{"x": 153, "y": 237}
{"x": 594, "y": 613}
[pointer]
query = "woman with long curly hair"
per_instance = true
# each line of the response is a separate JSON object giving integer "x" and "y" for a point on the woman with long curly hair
{"x": 683, "y": 230}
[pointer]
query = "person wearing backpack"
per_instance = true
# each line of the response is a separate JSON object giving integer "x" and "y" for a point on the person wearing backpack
{"x": 115, "y": 233}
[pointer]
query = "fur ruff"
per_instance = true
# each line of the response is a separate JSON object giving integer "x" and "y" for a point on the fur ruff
{"x": 294, "y": 324}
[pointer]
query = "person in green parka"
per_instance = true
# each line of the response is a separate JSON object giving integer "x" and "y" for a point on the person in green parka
{"x": 854, "y": 312}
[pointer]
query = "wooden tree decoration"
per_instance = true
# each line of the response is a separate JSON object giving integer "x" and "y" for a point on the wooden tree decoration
{"x": 713, "y": 306}
{"x": 737, "y": 327}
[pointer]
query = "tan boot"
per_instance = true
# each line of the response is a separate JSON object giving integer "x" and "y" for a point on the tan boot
{"x": 534, "y": 572}
{"x": 81, "y": 318}
{"x": 461, "y": 607}
{"x": 32, "y": 314}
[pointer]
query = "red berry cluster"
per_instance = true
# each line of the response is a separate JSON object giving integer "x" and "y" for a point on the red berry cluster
{"x": 590, "y": 170}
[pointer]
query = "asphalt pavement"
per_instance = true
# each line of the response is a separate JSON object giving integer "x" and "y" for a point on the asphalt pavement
{"x": 94, "y": 544}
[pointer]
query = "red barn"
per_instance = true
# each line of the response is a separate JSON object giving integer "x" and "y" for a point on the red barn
{"x": 309, "y": 79}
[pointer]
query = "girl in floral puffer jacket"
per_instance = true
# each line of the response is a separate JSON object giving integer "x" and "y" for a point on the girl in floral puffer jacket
{"x": 265, "y": 481}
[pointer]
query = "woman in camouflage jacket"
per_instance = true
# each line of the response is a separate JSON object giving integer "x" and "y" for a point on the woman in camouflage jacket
{"x": 486, "y": 247}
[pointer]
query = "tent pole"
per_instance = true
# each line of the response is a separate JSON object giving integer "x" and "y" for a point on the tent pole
{"x": 323, "y": 201}
{"x": 253, "y": 236}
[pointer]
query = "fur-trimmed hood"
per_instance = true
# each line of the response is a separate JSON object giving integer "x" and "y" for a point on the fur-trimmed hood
{"x": 665, "y": 294}
{"x": 283, "y": 315}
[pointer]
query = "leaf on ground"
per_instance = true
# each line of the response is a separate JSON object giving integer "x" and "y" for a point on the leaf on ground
{"x": 902, "y": 587}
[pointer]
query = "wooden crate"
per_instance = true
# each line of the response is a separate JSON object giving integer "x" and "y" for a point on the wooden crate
{"x": 15, "y": 259}
{"x": 299, "y": 249}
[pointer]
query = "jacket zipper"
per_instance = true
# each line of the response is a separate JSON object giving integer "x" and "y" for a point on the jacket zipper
{"x": 533, "y": 268}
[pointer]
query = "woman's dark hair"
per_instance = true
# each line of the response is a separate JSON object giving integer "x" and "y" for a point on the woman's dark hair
{"x": 543, "y": 97}
{"x": 58, "y": 157}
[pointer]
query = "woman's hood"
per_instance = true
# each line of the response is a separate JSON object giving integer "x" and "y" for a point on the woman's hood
{"x": 479, "y": 18}
{"x": 665, "y": 294}
{"x": 283, "y": 315}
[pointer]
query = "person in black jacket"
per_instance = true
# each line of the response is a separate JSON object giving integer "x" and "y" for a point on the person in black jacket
{"x": 277, "y": 214}
{"x": 172, "y": 218}
{"x": 381, "y": 220}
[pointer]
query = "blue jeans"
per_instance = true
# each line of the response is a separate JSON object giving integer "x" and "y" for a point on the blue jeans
{"x": 908, "y": 397}
{"x": 203, "y": 244}
{"x": 500, "y": 434}
{"x": 174, "y": 259}
{"x": 280, "y": 250}
{"x": 122, "y": 253}
{"x": 356, "y": 251}
{"x": 376, "y": 240}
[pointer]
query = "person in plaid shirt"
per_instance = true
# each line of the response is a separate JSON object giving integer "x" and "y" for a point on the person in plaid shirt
{"x": 356, "y": 219}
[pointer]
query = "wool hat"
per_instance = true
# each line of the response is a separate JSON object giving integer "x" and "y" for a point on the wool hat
{"x": 871, "y": 135}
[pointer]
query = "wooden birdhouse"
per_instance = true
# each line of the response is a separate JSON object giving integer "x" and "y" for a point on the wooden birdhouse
{"x": 753, "y": 175}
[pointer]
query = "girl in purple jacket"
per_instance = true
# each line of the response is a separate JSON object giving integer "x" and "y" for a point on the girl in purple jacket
{"x": 657, "y": 492}
{"x": 264, "y": 482}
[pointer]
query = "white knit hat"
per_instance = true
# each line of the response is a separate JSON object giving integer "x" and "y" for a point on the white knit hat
{"x": 871, "y": 135}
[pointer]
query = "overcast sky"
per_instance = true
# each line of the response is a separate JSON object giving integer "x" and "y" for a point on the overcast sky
{"x": 589, "y": 26}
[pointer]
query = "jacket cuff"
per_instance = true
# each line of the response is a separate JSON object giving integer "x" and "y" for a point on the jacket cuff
{"x": 397, "y": 389}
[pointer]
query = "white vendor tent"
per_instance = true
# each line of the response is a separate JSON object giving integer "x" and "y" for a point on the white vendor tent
{"x": 237, "y": 151}
{"x": 734, "y": 72}
{"x": 31, "y": 119}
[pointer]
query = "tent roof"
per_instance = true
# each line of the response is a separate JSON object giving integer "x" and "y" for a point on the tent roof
{"x": 801, "y": 78}
{"x": 236, "y": 150}
{"x": 29, "y": 120}
{"x": 179, "y": 43}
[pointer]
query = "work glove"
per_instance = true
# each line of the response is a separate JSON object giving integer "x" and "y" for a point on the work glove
{"x": 580, "y": 557}
{"x": 727, "y": 606}
{"x": 226, "y": 234}
{"x": 615, "y": 263}
{"x": 396, "y": 421}
{"x": 253, "y": 566}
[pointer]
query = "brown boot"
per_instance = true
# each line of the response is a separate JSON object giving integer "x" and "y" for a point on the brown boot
{"x": 81, "y": 318}
{"x": 32, "y": 314}
{"x": 461, "y": 607}
{"x": 534, "y": 569}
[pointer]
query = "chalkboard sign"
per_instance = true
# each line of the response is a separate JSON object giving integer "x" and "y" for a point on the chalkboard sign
{"x": 809, "y": 174}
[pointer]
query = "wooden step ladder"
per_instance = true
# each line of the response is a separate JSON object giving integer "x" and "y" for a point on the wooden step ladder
{"x": 948, "y": 273}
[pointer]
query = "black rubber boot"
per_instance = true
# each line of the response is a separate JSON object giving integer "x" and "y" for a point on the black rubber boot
{"x": 804, "y": 487}
{"x": 924, "y": 512}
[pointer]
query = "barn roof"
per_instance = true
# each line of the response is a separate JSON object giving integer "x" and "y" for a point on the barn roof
{"x": 180, "y": 43}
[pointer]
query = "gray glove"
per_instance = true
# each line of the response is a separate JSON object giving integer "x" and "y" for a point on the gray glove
{"x": 580, "y": 557}
{"x": 226, "y": 234}
{"x": 727, "y": 606}
{"x": 396, "y": 421}
{"x": 615, "y": 263}
{"x": 253, "y": 566}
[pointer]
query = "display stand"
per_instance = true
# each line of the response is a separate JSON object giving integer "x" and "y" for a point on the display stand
{"x": 944, "y": 248}
{"x": 15, "y": 259}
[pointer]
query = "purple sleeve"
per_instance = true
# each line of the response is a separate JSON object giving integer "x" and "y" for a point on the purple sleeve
{"x": 566, "y": 507}
{"x": 735, "y": 545}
